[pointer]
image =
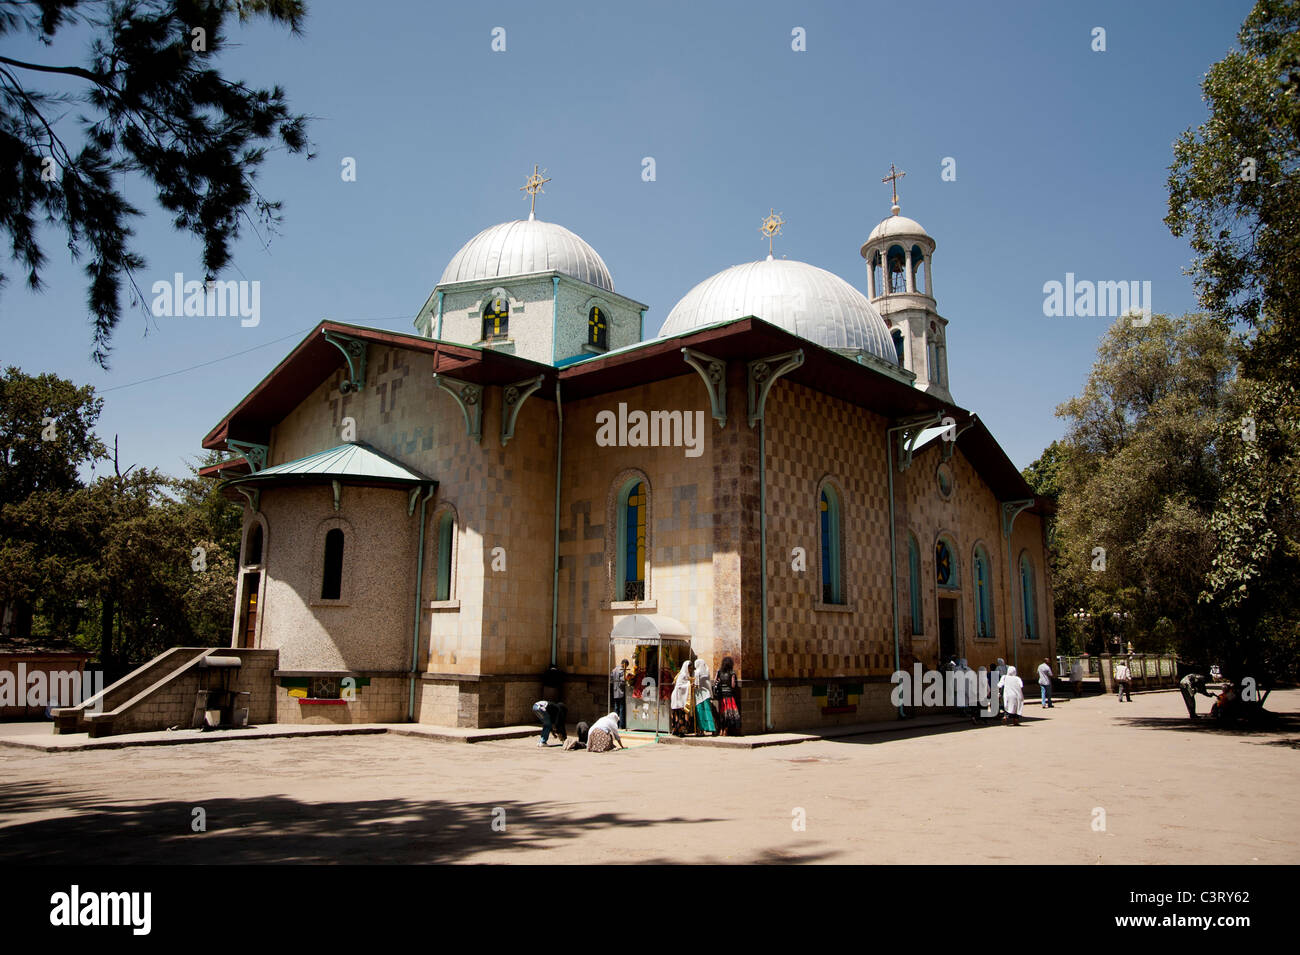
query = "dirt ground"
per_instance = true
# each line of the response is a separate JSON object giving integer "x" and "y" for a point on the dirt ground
{"x": 1172, "y": 791}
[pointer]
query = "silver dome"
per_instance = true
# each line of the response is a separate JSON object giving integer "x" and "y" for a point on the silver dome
{"x": 801, "y": 298}
{"x": 525, "y": 246}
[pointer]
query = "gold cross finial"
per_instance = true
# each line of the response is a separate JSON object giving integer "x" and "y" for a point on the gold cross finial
{"x": 892, "y": 178}
{"x": 771, "y": 227}
{"x": 533, "y": 186}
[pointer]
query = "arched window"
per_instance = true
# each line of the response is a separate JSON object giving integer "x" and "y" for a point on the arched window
{"x": 496, "y": 318}
{"x": 914, "y": 582}
{"x": 898, "y": 346}
{"x": 983, "y": 594}
{"x": 331, "y": 586}
{"x": 253, "y": 551}
{"x": 828, "y": 505}
{"x": 896, "y": 260}
{"x": 918, "y": 269}
{"x": 632, "y": 510}
{"x": 1028, "y": 598}
{"x": 598, "y": 328}
{"x": 945, "y": 564}
{"x": 446, "y": 529}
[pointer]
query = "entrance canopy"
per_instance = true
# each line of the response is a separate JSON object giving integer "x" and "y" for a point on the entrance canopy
{"x": 652, "y": 629}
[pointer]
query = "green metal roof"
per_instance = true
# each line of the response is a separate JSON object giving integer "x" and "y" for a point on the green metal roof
{"x": 352, "y": 461}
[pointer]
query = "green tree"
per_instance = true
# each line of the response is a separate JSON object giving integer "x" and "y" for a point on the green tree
{"x": 150, "y": 102}
{"x": 1233, "y": 192}
{"x": 1139, "y": 474}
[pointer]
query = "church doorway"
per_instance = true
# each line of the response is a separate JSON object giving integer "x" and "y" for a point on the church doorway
{"x": 248, "y": 619}
{"x": 948, "y": 643}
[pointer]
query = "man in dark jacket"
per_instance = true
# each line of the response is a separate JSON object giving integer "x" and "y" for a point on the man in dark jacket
{"x": 1189, "y": 686}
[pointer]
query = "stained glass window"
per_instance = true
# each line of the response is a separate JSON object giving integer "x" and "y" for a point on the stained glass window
{"x": 496, "y": 318}
{"x": 597, "y": 328}
{"x": 832, "y": 585}
{"x": 944, "y": 571}
{"x": 634, "y": 538}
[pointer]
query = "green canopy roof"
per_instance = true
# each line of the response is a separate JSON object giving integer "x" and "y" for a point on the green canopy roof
{"x": 352, "y": 462}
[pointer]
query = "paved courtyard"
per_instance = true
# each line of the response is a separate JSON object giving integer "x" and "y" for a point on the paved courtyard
{"x": 1172, "y": 791}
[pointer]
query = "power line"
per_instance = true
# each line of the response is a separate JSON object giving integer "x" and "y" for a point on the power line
{"x": 214, "y": 361}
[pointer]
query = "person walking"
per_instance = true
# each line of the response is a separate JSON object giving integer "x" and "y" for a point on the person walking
{"x": 1013, "y": 696}
{"x": 1045, "y": 683}
{"x": 552, "y": 716}
{"x": 1076, "y": 678}
{"x": 618, "y": 692}
{"x": 604, "y": 734}
{"x": 995, "y": 679}
{"x": 704, "y": 722}
{"x": 727, "y": 689}
{"x": 1123, "y": 682}
{"x": 1189, "y": 686}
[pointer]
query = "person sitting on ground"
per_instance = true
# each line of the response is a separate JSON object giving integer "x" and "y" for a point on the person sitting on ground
{"x": 604, "y": 734}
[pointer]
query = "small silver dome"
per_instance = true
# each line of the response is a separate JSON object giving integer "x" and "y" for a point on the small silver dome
{"x": 801, "y": 298}
{"x": 525, "y": 246}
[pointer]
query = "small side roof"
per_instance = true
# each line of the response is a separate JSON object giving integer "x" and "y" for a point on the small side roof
{"x": 353, "y": 462}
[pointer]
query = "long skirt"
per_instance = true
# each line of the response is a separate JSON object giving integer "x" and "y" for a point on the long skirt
{"x": 678, "y": 724}
{"x": 598, "y": 741}
{"x": 704, "y": 717}
{"x": 730, "y": 714}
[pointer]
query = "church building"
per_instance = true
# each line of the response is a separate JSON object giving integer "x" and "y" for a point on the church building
{"x": 447, "y": 525}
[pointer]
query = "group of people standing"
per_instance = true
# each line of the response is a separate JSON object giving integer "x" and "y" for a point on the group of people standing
{"x": 699, "y": 704}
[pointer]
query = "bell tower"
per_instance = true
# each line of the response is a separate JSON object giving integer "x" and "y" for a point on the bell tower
{"x": 899, "y": 255}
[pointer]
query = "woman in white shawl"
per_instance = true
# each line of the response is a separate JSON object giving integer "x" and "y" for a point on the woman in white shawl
{"x": 1013, "y": 695}
{"x": 681, "y": 699}
{"x": 704, "y": 720}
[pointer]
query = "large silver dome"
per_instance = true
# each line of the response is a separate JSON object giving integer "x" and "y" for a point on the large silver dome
{"x": 524, "y": 246}
{"x": 801, "y": 298}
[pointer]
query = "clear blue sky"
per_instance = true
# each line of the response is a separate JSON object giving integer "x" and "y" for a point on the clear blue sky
{"x": 1062, "y": 158}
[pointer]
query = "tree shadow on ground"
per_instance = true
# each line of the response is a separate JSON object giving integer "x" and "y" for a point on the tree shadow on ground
{"x": 280, "y": 829}
{"x": 1272, "y": 722}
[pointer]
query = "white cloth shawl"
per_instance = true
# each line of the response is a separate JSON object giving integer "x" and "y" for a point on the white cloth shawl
{"x": 1013, "y": 692}
{"x": 681, "y": 689}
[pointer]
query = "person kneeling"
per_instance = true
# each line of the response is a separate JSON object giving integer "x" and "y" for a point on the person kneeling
{"x": 604, "y": 734}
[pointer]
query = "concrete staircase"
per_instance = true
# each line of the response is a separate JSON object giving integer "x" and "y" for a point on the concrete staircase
{"x": 162, "y": 693}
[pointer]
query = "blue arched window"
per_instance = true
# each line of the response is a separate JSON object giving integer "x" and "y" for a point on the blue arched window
{"x": 828, "y": 506}
{"x": 1029, "y": 598}
{"x": 983, "y": 594}
{"x": 632, "y": 509}
{"x": 914, "y": 582}
{"x": 446, "y": 529}
{"x": 945, "y": 564}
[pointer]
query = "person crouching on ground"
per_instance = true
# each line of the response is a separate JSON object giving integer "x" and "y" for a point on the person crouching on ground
{"x": 1013, "y": 696}
{"x": 552, "y": 717}
{"x": 1189, "y": 686}
{"x": 604, "y": 734}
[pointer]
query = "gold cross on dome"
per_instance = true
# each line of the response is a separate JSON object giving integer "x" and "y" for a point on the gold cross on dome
{"x": 771, "y": 227}
{"x": 533, "y": 186}
{"x": 892, "y": 178}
